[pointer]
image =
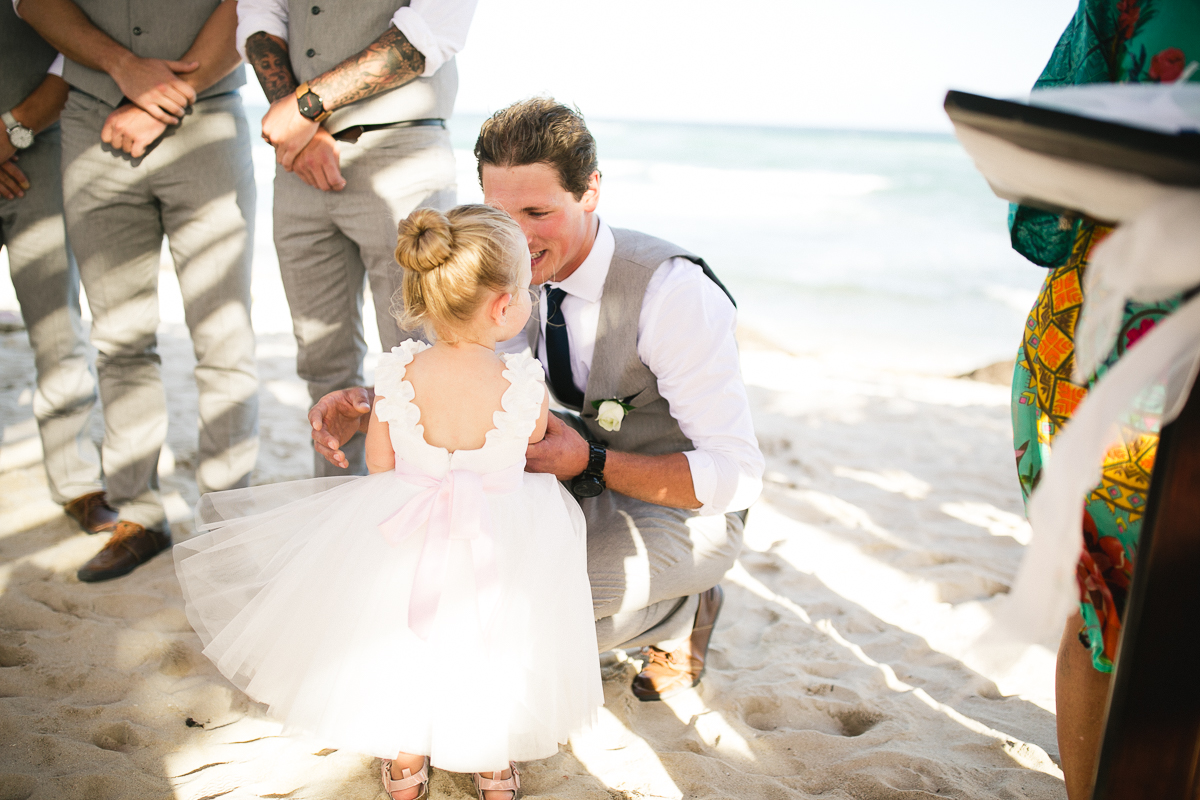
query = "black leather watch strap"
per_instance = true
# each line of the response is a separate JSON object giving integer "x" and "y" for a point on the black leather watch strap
{"x": 590, "y": 482}
{"x": 597, "y": 455}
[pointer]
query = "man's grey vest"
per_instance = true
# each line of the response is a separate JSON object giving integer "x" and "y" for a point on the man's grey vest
{"x": 617, "y": 371}
{"x": 150, "y": 29}
{"x": 24, "y": 58}
{"x": 319, "y": 42}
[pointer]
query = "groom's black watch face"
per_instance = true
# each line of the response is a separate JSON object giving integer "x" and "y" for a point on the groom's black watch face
{"x": 310, "y": 104}
{"x": 590, "y": 482}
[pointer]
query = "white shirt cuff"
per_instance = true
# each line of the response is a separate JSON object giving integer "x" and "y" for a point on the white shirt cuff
{"x": 56, "y": 66}
{"x": 421, "y": 36}
{"x": 722, "y": 484}
{"x": 254, "y": 18}
{"x": 438, "y": 28}
{"x": 704, "y": 480}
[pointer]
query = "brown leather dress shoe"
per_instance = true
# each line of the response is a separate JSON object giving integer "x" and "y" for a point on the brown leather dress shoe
{"x": 131, "y": 545}
{"x": 92, "y": 512}
{"x": 667, "y": 673}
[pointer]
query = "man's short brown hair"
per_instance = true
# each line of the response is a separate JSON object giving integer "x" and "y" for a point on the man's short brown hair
{"x": 540, "y": 131}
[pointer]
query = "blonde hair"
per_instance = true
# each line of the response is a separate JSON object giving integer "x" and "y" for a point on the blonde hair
{"x": 451, "y": 263}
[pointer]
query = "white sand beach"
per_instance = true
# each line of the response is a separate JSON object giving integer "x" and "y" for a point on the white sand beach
{"x": 837, "y": 667}
{"x": 836, "y": 670}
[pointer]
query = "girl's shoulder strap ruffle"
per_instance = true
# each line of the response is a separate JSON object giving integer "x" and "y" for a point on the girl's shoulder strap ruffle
{"x": 522, "y": 403}
{"x": 393, "y": 393}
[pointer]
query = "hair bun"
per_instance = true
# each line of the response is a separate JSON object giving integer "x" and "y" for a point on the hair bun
{"x": 425, "y": 240}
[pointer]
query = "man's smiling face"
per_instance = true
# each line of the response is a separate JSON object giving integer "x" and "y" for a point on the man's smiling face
{"x": 560, "y": 230}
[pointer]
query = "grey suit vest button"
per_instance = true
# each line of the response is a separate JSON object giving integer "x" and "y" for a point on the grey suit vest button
{"x": 137, "y": 31}
{"x": 311, "y": 52}
{"x": 316, "y": 10}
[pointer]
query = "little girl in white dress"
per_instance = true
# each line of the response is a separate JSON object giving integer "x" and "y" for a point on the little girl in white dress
{"x": 439, "y": 608}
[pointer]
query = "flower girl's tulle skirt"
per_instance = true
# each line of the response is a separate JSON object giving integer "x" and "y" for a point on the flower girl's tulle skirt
{"x": 303, "y": 604}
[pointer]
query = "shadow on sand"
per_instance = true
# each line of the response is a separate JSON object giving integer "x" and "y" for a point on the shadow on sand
{"x": 104, "y": 692}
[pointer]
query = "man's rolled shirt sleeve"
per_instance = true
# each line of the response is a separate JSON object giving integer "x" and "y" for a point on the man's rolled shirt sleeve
{"x": 268, "y": 16}
{"x": 438, "y": 28}
{"x": 686, "y": 338}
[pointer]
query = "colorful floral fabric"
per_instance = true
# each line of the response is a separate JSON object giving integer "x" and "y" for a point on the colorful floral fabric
{"x": 1044, "y": 398}
{"x": 1131, "y": 41}
{"x": 1107, "y": 41}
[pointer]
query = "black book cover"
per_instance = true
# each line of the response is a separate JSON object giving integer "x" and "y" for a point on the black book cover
{"x": 1164, "y": 157}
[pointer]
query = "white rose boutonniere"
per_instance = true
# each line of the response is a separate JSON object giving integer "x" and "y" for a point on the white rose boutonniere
{"x": 610, "y": 413}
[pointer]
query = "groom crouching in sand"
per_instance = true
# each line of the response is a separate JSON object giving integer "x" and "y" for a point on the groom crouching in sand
{"x": 637, "y": 339}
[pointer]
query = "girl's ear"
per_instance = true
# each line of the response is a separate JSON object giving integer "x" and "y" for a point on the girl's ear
{"x": 498, "y": 308}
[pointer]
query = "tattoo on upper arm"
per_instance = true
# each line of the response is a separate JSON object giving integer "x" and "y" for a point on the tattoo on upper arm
{"x": 388, "y": 62}
{"x": 271, "y": 64}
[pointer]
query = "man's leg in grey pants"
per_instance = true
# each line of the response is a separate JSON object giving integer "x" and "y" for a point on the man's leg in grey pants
{"x": 207, "y": 201}
{"x": 323, "y": 278}
{"x": 192, "y": 184}
{"x": 115, "y": 230}
{"x": 406, "y": 169}
{"x": 327, "y": 242}
{"x": 46, "y": 281}
{"x": 647, "y": 563}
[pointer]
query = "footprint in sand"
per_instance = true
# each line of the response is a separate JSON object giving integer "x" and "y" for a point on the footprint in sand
{"x": 857, "y": 721}
{"x": 16, "y": 787}
{"x": 121, "y": 737}
{"x": 126, "y": 606}
{"x": 12, "y": 654}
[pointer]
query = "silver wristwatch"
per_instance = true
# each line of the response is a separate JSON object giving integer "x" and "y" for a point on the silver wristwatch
{"x": 20, "y": 136}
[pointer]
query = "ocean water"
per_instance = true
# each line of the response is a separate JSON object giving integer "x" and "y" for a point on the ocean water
{"x": 880, "y": 250}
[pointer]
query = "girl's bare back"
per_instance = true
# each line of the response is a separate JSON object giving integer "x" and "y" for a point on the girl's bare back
{"x": 457, "y": 390}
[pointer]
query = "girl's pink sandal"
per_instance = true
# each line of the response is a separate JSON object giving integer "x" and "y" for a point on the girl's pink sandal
{"x": 512, "y": 784}
{"x": 407, "y": 781}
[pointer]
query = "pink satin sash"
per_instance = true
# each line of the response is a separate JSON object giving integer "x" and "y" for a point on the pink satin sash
{"x": 454, "y": 509}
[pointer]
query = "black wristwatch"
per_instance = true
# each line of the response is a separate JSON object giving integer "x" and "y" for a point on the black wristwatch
{"x": 310, "y": 104}
{"x": 590, "y": 482}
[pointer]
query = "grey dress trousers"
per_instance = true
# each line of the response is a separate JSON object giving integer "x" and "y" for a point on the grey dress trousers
{"x": 196, "y": 188}
{"x": 46, "y": 281}
{"x": 328, "y": 241}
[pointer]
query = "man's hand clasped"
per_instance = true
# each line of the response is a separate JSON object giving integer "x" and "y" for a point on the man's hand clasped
{"x": 319, "y": 163}
{"x": 132, "y": 130}
{"x": 154, "y": 86}
{"x": 157, "y": 96}
{"x": 287, "y": 130}
{"x": 13, "y": 182}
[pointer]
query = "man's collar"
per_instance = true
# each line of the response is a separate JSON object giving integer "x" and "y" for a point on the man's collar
{"x": 587, "y": 282}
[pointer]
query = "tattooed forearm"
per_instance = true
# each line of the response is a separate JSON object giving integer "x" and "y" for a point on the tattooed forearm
{"x": 269, "y": 56}
{"x": 386, "y": 63}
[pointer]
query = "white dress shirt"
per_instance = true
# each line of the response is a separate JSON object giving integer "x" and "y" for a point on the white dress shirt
{"x": 438, "y": 28}
{"x": 685, "y": 337}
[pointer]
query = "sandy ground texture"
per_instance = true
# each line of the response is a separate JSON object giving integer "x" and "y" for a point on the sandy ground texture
{"x": 837, "y": 669}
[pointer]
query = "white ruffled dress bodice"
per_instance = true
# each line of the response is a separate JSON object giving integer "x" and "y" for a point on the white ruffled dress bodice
{"x": 503, "y": 446}
{"x": 304, "y": 592}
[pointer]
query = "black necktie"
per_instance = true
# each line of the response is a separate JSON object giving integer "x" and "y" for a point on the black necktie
{"x": 558, "y": 352}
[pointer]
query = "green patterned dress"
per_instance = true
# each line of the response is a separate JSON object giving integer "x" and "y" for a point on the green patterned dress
{"x": 1107, "y": 41}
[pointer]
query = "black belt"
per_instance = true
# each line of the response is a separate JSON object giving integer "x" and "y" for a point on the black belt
{"x": 351, "y": 134}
